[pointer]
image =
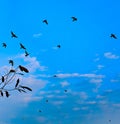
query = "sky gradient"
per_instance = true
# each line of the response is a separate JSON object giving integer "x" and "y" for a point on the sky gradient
{"x": 86, "y": 65}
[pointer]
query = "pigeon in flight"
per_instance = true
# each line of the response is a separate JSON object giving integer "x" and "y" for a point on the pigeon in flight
{"x": 26, "y": 53}
{"x": 11, "y": 62}
{"x": 45, "y": 21}
{"x": 13, "y": 35}
{"x": 58, "y": 46}
{"x": 113, "y": 36}
{"x": 65, "y": 90}
{"x": 74, "y": 18}
{"x": 54, "y": 75}
{"x": 46, "y": 100}
{"x": 4, "y": 45}
{"x": 22, "y": 47}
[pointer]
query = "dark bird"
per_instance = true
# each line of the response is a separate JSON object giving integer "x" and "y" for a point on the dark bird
{"x": 58, "y": 45}
{"x": 13, "y": 35}
{"x": 11, "y": 62}
{"x": 54, "y": 75}
{"x": 4, "y": 45}
{"x": 39, "y": 111}
{"x": 22, "y": 47}
{"x": 45, "y": 21}
{"x": 65, "y": 90}
{"x": 46, "y": 100}
{"x": 113, "y": 36}
{"x": 3, "y": 79}
{"x": 74, "y": 18}
{"x": 26, "y": 53}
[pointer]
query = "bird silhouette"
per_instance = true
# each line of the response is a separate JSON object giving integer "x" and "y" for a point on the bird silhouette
{"x": 74, "y": 18}
{"x": 22, "y": 47}
{"x": 11, "y": 62}
{"x": 55, "y": 75}
{"x": 65, "y": 90}
{"x": 113, "y": 36}
{"x": 45, "y": 21}
{"x": 46, "y": 100}
{"x": 26, "y": 53}
{"x": 4, "y": 45}
{"x": 13, "y": 35}
{"x": 59, "y": 46}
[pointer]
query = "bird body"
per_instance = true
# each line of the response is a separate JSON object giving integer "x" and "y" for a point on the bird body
{"x": 11, "y": 62}
{"x": 59, "y": 46}
{"x": 22, "y": 47}
{"x": 4, "y": 45}
{"x": 74, "y": 18}
{"x": 45, "y": 21}
{"x": 113, "y": 36}
{"x": 13, "y": 35}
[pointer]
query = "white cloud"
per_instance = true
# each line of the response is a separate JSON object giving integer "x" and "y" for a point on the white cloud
{"x": 76, "y": 109}
{"x": 37, "y": 35}
{"x": 32, "y": 63}
{"x": 64, "y": 83}
{"x": 100, "y": 66}
{"x": 95, "y": 80}
{"x": 57, "y": 102}
{"x": 110, "y": 55}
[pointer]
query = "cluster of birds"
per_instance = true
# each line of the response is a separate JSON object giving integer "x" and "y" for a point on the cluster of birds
{"x": 13, "y": 35}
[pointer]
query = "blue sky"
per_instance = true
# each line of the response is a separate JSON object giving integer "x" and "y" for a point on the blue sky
{"x": 86, "y": 65}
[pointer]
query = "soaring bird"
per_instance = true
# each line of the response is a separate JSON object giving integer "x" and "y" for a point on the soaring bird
{"x": 26, "y": 53}
{"x": 13, "y": 35}
{"x": 58, "y": 45}
{"x": 74, "y": 18}
{"x": 113, "y": 36}
{"x": 4, "y": 45}
{"x": 22, "y": 47}
{"x": 45, "y": 21}
{"x": 65, "y": 90}
{"x": 11, "y": 62}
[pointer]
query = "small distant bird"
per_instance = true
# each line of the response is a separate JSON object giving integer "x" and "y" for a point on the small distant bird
{"x": 109, "y": 120}
{"x": 113, "y": 36}
{"x": 46, "y": 100}
{"x": 45, "y": 21}
{"x": 26, "y": 53}
{"x": 39, "y": 111}
{"x": 65, "y": 90}
{"x": 11, "y": 62}
{"x": 13, "y": 35}
{"x": 4, "y": 45}
{"x": 22, "y": 47}
{"x": 54, "y": 75}
{"x": 74, "y": 18}
{"x": 58, "y": 46}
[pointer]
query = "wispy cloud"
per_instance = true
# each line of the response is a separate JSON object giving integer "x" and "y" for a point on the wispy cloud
{"x": 37, "y": 35}
{"x": 110, "y": 55}
{"x": 65, "y": 83}
{"x": 32, "y": 63}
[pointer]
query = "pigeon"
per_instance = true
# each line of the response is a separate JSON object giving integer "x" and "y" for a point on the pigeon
{"x": 54, "y": 75}
{"x": 58, "y": 46}
{"x": 26, "y": 53}
{"x": 45, "y": 21}
{"x": 113, "y": 36}
{"x": 65, "y": 90}
{"x": 74, "y": 18}
{"x": 46, "y": 100}
{"x": 11, "y": 62}
{"x": 22, "y": 47}
{"x": 13, "y": 35}
{"x": 4, "y": 45}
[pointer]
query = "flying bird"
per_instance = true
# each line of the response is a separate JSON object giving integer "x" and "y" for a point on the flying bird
{"x": 113, "y": 36}
{"x": 13, "y": 35}
{"x": 54, "y": 75}
{"x": 11, "y": 62}
{"x": 4, "y": 45}
{"x": 59, "y": 46}
{"x": 65, "y": 90}
{"x": 46, "y": 100}
{"x": 74, "y": 18}
{"x": 26, "y": 53}
{"x": 45, "y": 21}
{"x": 22, "y": 47}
